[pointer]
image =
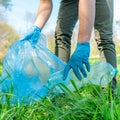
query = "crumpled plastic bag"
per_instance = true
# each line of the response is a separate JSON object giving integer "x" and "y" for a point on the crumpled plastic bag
{"x": 30, "y": 71}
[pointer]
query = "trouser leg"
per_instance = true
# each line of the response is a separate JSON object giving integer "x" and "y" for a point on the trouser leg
{"x": 104, "y": 33}
{"x": 67, "y": 18}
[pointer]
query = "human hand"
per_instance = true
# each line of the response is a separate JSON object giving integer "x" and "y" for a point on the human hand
{"x": 33, "y": 35}
{"x": 78, "y": 60}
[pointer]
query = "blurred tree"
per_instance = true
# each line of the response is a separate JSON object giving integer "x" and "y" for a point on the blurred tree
{"x": 50, "y": 41}
{"x": 6, "y": 3}
{"x": 7, "y": 36}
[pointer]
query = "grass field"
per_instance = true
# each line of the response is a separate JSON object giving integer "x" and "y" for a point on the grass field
{"x": 88, "y": 103}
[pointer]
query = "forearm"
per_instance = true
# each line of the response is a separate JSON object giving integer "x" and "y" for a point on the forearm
{"x": 44, "y": 12}
{"x": 86, "y": 19}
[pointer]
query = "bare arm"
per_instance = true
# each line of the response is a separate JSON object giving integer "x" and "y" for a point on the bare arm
{"x": 44, "y": 12}
{"x": 86, "y": 17}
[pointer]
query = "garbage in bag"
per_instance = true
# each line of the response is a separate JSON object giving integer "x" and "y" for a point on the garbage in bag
{"x": 28, "y": 66}
{"x": 30, "y": 70}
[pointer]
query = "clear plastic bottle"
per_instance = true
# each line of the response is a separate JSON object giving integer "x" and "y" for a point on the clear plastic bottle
{"x": 101, "y": 73}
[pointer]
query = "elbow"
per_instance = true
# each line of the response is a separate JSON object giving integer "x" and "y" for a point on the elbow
{"x": 47, "y": 3}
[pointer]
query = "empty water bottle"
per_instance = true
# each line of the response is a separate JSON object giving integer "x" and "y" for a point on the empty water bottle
{"x": 101, "y": 73}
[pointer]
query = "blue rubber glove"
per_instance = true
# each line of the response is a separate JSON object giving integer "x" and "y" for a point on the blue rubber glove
{"x": 78, "y": 60}
{"x": 33, "y": 35}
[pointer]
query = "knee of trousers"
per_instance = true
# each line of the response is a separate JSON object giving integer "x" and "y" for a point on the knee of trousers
{"x": 63, "y": 48}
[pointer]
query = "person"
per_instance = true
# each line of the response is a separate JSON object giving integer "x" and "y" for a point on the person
{"x": 83, "y": 10}
{"x": 103, "y": 27}
{"x": 104, "y": 35}
{"x": 90, "y": 13}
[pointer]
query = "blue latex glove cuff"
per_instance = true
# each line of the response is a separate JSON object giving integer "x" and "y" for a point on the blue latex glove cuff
{"x": 33, "y": 35}
{"x": 36, "y": 28}
{"x": 78, "y": 61}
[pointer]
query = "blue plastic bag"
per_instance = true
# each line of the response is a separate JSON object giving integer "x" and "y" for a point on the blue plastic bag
{"x": 28, "y": 66}
{"x": 30, "y": 70}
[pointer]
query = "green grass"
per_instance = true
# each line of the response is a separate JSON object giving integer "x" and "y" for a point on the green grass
{"x": 88, "y": 103}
